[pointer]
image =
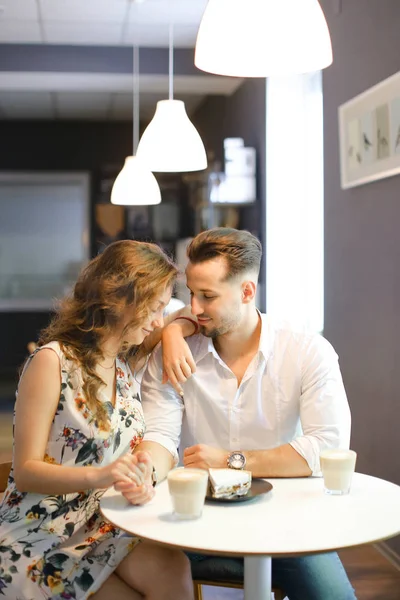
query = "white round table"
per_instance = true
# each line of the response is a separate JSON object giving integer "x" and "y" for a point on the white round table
{"x": 295, "y": 518}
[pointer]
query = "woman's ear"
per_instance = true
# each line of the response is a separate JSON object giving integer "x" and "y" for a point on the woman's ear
{"x": 248, "y": 291}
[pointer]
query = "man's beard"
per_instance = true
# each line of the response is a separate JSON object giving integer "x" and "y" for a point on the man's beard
{"x": 228, "y": 324}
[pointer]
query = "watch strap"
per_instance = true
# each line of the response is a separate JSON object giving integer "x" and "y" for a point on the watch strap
{"x": 154, "y": 478}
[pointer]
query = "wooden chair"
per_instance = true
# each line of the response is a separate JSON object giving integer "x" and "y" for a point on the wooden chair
{"x": 5, "y": 469}
{"x": 222, "y": 572}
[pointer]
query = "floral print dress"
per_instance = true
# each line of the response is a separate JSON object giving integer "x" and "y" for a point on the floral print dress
{"x": 60, "y": 546}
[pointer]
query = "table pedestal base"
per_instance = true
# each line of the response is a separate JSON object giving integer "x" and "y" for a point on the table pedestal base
{"x": 257, "y": 577}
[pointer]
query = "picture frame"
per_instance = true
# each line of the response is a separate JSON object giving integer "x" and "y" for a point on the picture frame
{"x": 369, "y": 134}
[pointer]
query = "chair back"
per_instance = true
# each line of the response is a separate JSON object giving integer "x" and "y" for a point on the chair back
{"x": 5, "y": 469}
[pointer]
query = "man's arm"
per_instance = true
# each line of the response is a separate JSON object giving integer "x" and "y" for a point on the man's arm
{"x": 325, "y": 419}
{"x": 324, "y": 409}
{"x": 283, "y": 461}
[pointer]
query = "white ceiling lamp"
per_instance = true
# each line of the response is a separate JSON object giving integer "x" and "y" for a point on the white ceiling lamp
{"x": 171, "y": 143}
{"x": 135, "y": 184}
{"x": 260, "y": 38}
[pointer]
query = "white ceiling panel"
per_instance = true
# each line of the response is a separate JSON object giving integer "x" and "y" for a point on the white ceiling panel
{"x": 165, "y": 11}
{"x": 82, "y": 33}
{"x": 24, "y": 32}
{"x": 71, "y": 105}
{"x": 18, "y": 9}
{"x": 155, "y": 35}
{"x": 22, "y": 105}
{"x": 107, "y": 11}
{"x": 100, "y": 23}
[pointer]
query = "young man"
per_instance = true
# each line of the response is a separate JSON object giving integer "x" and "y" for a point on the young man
{"x": 264, "y": 396}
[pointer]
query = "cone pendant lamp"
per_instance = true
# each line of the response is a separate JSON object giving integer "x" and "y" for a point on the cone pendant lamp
{"x": 171, "y": 143}
{"x": 135, "y": 184}
{"x": 260, "y": 38}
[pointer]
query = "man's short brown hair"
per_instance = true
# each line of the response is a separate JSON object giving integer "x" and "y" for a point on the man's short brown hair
{"x": 241, "y": 250}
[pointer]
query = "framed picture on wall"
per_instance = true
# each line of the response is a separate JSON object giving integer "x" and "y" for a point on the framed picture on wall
{"x": 369, "y": 134}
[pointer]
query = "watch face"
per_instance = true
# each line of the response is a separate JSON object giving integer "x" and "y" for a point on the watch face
{"x": 236, "y": 460}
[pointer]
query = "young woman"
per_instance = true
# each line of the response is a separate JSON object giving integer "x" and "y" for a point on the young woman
{"x": 78, "y": 417}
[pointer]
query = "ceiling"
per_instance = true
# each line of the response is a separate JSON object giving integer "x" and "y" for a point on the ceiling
{"x": 35, "y": 92}
{"x": 100, "y": 22}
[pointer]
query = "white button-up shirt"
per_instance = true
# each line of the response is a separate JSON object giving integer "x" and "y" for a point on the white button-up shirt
{"x": 292, "y": 392}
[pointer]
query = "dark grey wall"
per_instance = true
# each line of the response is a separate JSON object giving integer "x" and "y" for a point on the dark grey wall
{"x": 241, "y": 115}
{"x": 94, "y": 59}
{"x": 362, "y": 242}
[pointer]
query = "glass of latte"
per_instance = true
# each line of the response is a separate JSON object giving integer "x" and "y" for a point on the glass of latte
{"x": 337, "y": 467}
{"x": 188, "y": 488}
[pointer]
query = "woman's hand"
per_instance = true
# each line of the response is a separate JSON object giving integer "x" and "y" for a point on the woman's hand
{"x": 178, "y": 363}
{"x": 138, "y": 493}
{"x": 126, "y": 468}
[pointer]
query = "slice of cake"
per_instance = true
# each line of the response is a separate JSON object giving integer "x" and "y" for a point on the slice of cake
{"x": 227, "y": 483}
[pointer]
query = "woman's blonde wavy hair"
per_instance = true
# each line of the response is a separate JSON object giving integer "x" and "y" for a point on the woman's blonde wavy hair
{"x": 127, "y": 274}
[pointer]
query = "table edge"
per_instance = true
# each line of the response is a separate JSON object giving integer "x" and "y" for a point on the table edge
{"x": 248, "y": 554}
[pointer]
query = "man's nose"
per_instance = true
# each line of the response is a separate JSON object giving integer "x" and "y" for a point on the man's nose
{"x": 196, "y": 307}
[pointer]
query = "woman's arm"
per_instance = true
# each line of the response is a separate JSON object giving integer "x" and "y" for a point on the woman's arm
{"x": 177, "y": 357}
{"x": 37, "y": 402}
{"x": 187, "y": 328}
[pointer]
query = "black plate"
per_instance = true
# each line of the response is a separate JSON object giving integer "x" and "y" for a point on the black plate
{"x": 258, "y": 486}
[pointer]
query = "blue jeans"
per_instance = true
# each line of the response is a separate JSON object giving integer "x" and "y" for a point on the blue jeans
{"x": 313, "y": 577}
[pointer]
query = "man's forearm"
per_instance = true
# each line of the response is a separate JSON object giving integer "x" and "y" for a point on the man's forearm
{"x": 283, "y": 461}
{"x": 162, "y": 459}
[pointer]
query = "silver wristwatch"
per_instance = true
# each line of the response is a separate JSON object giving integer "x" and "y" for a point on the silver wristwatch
{"x": 236, "y": 460}
{"x": 154, "y": 478}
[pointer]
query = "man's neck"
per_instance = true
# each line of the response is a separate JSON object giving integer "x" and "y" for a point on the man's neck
{"x": 241, "y": 342}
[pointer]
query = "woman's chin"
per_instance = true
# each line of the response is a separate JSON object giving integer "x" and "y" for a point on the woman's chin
{"x": 128, "y": 346}
{"x": 136, "y": 340}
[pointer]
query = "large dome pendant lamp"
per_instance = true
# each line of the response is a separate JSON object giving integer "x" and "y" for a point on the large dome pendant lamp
{"x": 135, "y": 184}
{"x": 171, "y": 143}
{"x": 260, "y": 38}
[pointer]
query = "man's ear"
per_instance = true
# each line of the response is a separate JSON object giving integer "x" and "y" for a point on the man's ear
{"x": 248, "y": 291}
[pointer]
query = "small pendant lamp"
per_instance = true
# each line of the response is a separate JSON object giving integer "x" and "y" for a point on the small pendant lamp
{"x": 171, "y": 143}
{"x": 135, "y": 184}
{"x": 260, "y": 38}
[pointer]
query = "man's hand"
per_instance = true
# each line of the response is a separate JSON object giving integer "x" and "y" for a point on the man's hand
{"x": 138, "y": 491}
{"x": 205, "y": 457}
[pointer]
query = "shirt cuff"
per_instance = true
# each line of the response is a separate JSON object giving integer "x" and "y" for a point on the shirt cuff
{"x": 310, "y": 452}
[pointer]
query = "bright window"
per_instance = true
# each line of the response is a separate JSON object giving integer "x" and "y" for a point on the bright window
{"x": 295, "y": 244}
{"x": 43, "y": 237}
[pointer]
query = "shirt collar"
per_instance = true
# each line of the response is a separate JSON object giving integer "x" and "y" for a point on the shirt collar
{"x": 206, "y": 345}
{"x": 266, "y": 336}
